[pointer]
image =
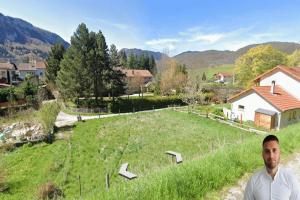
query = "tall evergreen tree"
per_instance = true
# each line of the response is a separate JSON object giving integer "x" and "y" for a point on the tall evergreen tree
{"x": 152, "y": 65}
{"x": 53, "y": 62}
{"x": 102, "y": 66}
{"x": 114, "y": 57}
{"x": 74, "y": 77}
{"x": 131, "y": 62}
{"x": 123, "y": 59}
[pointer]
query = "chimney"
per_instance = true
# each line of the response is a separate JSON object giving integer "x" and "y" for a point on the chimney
{"x": 133, "y": 72}
{"x": 273, "y": 87}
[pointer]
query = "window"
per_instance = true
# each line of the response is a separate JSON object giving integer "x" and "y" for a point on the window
{"x": 241, "y": 107}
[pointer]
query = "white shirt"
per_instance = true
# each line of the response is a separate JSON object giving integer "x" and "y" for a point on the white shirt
{"x": 262, "y": 187}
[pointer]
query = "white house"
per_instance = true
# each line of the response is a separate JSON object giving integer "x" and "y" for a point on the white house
{"x": 223, "y": 77}
{"x": 274, "y": 101}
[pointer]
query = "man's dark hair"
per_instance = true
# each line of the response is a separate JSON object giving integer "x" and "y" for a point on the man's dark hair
{"x": 270, "y": 138}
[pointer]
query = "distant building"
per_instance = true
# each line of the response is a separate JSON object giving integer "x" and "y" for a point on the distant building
{"x": 35, "y": 68}
{"x": 223, "y": 77}
{"x": 8, "y": 73}
{"x": 136, "y": 79}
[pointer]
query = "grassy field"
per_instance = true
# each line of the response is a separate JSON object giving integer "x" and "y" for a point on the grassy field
{"x": 98, "y": 147}
{"x": 29, "y": 115}
{"x": 210, "y": 71}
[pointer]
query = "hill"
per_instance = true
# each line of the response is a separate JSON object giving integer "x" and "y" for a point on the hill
{"x": 20, "y": 39}
{"x": 210, "y": 58}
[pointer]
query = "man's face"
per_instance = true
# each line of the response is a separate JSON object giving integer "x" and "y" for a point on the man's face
{"x": 271, "y": 154}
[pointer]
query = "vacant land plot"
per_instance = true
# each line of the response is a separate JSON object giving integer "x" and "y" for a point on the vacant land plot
{"x": 98, "y": 147}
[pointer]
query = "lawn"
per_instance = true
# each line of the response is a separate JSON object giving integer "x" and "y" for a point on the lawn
{"x": 98, "y": 147}
{"x": 210, "y": 71}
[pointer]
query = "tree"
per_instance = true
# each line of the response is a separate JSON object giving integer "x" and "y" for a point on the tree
{"x": 173, "y": 78}
{"x": 152, "y": 65}
{"x": 131, "y": 62}
{"x": 256, "y": 61}
{"x": 53, "y": 62}
{"x": 294, "y": 58}
{"x": 114, "y": 57}
{"x": 123, "y": 59}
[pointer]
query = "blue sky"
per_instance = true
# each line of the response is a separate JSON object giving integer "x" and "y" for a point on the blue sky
{"x": 168, "y": 26}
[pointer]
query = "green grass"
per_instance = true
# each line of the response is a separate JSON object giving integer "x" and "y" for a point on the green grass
{"x": 100, "y": 146}
{"x": 214, "y": 155}
{"x": 210, "y": 71}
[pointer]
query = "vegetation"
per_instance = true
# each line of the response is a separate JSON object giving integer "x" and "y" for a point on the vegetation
{"x": 85, "y": 70}
{"x": 294, "y": 59}
{"x": 256, "y": 61}
{"x": 99, "y": 147}
{"x": 47, "y": 116}
{"x": 53, "y": 62}
{"x": 173, "y": 79}
{"x": 144, "y": 61}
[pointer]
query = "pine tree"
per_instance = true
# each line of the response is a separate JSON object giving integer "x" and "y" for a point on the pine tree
{"x": 53, "y": 61}
{"x": 152, "y": 65}
{"x": 114, "y": 57}
{"x": 123, "y": 59}
{"x": 131, "y": 63}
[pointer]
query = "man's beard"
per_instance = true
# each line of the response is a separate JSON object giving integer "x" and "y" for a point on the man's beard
{"x": 271, "y": 165}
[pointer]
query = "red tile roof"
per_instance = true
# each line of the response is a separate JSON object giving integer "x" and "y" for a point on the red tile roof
{"x": 26, "y": 67}
{"x": 225, "y": 74}
{"x": 281, "y": 99}
{"x": 294, "y": 72}
{"x": 136, "y": 72}
{"x": 40, "y": 65}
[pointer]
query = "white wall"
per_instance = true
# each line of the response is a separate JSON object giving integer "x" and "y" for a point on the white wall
{"x": 251, "y": 102}
{"x": 286, "y": 82}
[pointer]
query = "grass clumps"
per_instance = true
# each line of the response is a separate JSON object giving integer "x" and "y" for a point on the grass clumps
{"x": 47, "y": 116}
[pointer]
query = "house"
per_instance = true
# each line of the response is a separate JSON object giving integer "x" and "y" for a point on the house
{"x": 273, "y": 102}
{"x": 136, "y": 79}
{"x": 223, "y": 77}
{"x": 35, "y": 68}
{"x": 8, "y": 73}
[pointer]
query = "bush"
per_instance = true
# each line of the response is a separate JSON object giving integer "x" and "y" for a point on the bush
{"x": 49, "y": 191}
{"x": 146, "y": 103}
{"x": 47, "y": 116}
{"x": 218, "y": 111}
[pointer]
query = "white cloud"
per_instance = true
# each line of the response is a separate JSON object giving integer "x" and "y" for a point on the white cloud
{"x": 163, "y": 44}
{"x": 210, "y": 38}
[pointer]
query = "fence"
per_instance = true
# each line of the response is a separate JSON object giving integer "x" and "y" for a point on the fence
{"x": 225, "y": 121}
{"x": 87, "y": 110}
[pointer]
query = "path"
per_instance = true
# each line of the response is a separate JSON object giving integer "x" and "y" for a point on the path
{"x": 64, "y": 119}
{"x": 236, "y": 192}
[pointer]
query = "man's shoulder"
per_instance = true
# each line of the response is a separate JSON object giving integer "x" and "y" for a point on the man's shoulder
{"x": 258, "y": 174}
{"x": 287, "y": 173}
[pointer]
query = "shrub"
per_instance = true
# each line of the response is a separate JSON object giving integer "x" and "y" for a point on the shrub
{"x": 146, "y": 103}
{"x": 47, "y": 116}
{"x": 49, "y": 191}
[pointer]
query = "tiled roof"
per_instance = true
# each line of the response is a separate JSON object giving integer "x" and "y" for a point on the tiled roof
{"x": 40, "y": 65}
{"x": 136, "y": 72}
{"x": 294, "y": 72}
{"x": 7, "y": 66}
{"x": 281, "y": 99}
{"x": 26, "y": 67}
{"x": 225, "y": 74}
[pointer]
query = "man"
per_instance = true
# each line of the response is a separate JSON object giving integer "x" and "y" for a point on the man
{"x": 273, "y": 182}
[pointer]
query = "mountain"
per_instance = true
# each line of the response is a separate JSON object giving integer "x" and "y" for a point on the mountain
{"x": 20, "y": 39}
{"x": 202, "y": 59}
